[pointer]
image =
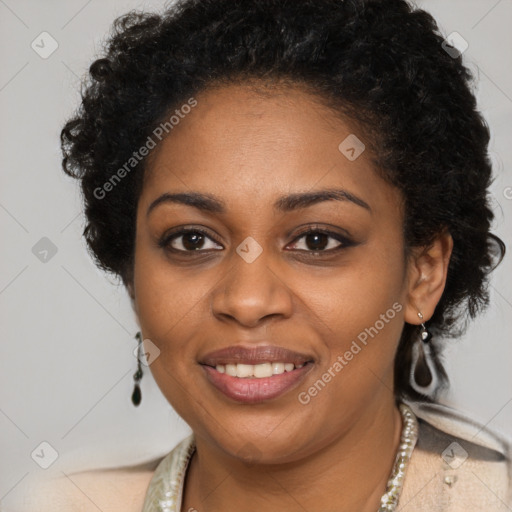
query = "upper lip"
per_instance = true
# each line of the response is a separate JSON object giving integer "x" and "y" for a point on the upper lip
{"x": 238, "y": 354}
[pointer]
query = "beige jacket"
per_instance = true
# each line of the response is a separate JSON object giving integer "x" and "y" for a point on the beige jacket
{"x": 457, "y": 466}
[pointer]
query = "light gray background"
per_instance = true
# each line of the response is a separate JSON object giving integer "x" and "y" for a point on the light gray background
{"x": 66, "y": 360}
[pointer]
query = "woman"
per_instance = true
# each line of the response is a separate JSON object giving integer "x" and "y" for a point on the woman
{"x": 295, "y": 197}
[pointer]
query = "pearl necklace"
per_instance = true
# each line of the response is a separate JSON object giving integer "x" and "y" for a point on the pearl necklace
{"x": 408, "y": 441}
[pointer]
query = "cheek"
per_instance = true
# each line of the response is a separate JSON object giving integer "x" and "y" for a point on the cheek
{"x": 173, "y": 313}
{"x": 164, "y": 294}
{"x": 362, "y": 305}
{"x": 358, "y": 292}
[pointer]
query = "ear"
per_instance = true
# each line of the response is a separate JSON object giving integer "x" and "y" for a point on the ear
{"x": 426, "y": 278}
{"x": 131, "y": 292}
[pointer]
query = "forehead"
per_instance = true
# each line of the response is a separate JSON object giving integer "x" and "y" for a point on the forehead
{"x": 243, "y": 143}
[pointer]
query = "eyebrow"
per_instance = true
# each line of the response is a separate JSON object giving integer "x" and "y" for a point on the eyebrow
{"x": 289, "y": 203}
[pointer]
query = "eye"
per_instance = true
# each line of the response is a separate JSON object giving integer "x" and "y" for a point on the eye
{"x": 317, "y": 240}
{"x": 191, "y": 240}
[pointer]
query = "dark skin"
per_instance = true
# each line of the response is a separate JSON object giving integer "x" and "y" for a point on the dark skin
{"x": 248, "y": 150}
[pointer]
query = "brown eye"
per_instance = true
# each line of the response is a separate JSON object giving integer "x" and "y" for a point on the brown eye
{"x": 187, "y": 240}
{"x": 316, "y": 240}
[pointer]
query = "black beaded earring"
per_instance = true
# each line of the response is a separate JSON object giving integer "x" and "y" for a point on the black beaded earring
{"x": 137, "y": 376}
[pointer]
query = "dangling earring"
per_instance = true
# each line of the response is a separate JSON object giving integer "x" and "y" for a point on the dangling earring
{"x": 423, "y": 377}
{"x": 137, "y": 376}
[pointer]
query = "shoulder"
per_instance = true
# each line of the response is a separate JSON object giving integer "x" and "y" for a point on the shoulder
{"x": 457, "y": 465}
{"x": 117, "y": 489}
{"x": 123, "y": 489}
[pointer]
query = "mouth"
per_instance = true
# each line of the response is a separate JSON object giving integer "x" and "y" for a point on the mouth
{"x": 256, "y": 374}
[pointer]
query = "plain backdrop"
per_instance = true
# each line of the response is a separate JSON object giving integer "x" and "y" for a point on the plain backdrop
{"x": 67, "y": 329}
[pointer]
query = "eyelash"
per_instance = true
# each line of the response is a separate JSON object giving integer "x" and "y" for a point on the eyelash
{"x": 169, "y": 237}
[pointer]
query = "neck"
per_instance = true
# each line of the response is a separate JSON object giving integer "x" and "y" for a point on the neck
{"x": 351, "y": 471}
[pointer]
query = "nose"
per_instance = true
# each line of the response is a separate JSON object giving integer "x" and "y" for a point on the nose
{"x": 252, "y": 292}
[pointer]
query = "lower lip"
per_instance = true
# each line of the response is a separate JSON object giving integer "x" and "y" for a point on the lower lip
{"x": 252, "y": 391}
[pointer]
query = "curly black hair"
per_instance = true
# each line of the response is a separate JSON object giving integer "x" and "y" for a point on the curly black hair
{"x": 381, "y": 65}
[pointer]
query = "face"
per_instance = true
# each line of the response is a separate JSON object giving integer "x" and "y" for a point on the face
{"x": 247, "y": 278}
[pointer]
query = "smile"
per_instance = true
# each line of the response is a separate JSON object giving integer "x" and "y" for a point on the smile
{"x": 251, "y": 385}
{"x": 253, "y": 374}
{"x": 258, "y": 371}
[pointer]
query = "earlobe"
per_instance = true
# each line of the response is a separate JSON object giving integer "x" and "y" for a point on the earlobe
{"x": 130, "y": 289}
{"x": 427, "y": 273}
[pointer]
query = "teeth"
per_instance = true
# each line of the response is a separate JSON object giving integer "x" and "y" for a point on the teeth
{"x": 231, "y": 369}
{"x": 244, "y": 370}
{"x": 277, "y": 368}
{"x": 262, "y": 370}
{"x": 258, "y": 371}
